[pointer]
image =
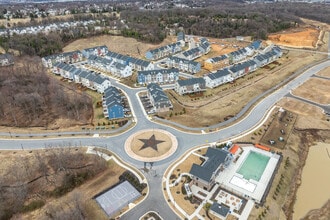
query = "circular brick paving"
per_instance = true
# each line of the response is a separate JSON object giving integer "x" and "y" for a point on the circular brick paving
{"x": 151, "y": 145}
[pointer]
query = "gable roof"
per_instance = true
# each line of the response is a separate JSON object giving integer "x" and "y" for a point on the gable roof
{"x": 191, "y": 81}
{"x": 185, "y": 61}
{"x": 217, "y": 59}
{"x": 161, "y": 71}
{"x": 218, "y": 74}
{"x": 157, "y": 93}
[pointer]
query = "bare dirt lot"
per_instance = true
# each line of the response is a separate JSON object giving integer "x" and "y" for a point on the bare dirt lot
{"x": 297, "y": 37}
{"x": 310, "y": 116}
{"x": 325, "y": 72}
{"x": 119, "y": 44}
{"x": 314, "y": 89}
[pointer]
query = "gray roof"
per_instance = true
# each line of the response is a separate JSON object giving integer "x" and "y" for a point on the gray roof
{"x": 158, "y": 94}
{"x": 191, "y": 81}
{"x": 217, "y": 59}
{"x": 216, "y": 157}
{"x": 219, "y": 74}
{"x": 185, "y": 61}
{"x": 191, "y": 51}
{"x": 220, "y": 209}
{"x": 180, "y": 36}
{"x": 154, "y": 72}
{"x": 99, "y": 79}
{"x": 112, "y": 96}
{"x": 166, "y": 47}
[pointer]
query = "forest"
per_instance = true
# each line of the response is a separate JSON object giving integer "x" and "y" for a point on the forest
{"x": 221, "y": 20}
{"x": 30, "y": 97}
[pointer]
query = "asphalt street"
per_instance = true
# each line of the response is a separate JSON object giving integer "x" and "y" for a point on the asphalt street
{"x": 155, "y": 200}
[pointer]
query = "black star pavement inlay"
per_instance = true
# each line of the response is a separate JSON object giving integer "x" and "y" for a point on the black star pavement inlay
{"x": 151, "y": 142}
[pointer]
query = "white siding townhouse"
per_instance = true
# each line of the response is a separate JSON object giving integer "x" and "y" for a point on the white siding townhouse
{"x": 120, "y": 70}
{"x": 241, "y": 69}
{"x": 110, "y": 66}
{"x": 183, "y": 64}
{"x": 158, "y": 76}
{"x": 193, "y": 53}
{"x": 192, "y": 85}
{"x": 68, "y": 57}
{"x": 213, "y": 80}
{"x": 96, "y": 51}
{"x": 101, "y": 83}
{"x": 100, "y": 63}
{"x": 90, "y": 80}
{"x": 163, "y": 51}
{"x": 136, "y": 64}
{"x": 265, "y": 58}
{"x": 158, "y": 98}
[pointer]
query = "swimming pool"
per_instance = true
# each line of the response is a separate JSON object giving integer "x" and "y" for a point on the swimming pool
{"x": 253, "y": 166}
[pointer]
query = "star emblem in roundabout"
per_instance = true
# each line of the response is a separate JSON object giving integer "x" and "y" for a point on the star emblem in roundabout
{"x": 151, "y": 142}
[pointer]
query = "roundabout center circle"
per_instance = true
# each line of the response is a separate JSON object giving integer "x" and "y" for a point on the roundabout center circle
{"x": 151, "y": 145}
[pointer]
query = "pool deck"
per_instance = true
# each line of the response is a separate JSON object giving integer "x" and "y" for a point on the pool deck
{"x": 230, "y": 180}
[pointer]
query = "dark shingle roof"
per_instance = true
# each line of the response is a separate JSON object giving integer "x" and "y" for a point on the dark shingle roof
{"x": 216, "y": 157}
{"x": 154, "y": 72}
{"x": 157, "y": 93}
{"x": 191, "y": 81}
{"x": 220, "y": 209}
{"x": 219, "y": 74}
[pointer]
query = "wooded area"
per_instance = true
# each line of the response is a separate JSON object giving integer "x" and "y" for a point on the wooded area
{"x": 221, "y": 20}
{"x": 43, "y": 176}
{"x": 30, "y": 97}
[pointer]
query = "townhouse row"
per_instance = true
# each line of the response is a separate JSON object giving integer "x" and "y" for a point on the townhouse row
{"x": 229, "y": 74}
{"x": 222, "y": 61}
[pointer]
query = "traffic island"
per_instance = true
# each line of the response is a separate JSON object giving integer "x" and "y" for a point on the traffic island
{"x": 151, "y": 145}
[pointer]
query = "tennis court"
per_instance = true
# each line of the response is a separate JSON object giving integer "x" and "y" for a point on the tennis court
{"x": 117, "y": 198}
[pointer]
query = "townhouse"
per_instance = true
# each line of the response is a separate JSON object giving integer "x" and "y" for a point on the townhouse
{"x": 272, "y": 54}
{"x": 96, "y": 51}
{"x": 241, "y": 69}
{"x": 183, "y": 64}
{"x": 112, "y": 103}
{"x": 181, "y": 38}
{"x": 68, "y": 57}
{"x": 134, "y": 63}
{"x": 213, "y": 80}
{"x": 88, "y": 79}
{"x": 158, "y": 76}
{"x": 216, "y": 63}
{"x": 158, "y": 98}
{"x": 193, "y": 53}
{"x": 192, "y": 85}
{"x": 110, "y": 66}
{"x": 164, "y": 51}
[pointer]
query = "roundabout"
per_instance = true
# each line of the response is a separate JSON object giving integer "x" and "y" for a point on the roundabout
{"x": 151, "y": 145}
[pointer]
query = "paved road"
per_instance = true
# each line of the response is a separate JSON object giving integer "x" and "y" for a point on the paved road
{"x": 155, "y": 200}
